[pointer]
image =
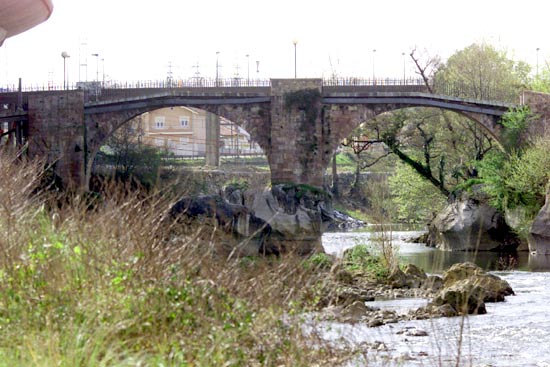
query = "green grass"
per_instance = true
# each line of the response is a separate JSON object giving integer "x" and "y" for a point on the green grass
{"x": 345, "y": 162}
{"x": 360, "y": 259}
{"x": 118, "y": 285}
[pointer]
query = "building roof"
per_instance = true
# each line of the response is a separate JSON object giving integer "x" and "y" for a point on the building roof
{"x": 17, "y": 16}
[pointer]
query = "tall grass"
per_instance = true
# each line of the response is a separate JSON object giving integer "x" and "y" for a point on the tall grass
{"x": 106, "y": 282}
{"x": 382, "y": 213}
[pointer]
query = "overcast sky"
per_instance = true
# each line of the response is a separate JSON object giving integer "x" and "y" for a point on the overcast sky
{"x": 141, "y": 40}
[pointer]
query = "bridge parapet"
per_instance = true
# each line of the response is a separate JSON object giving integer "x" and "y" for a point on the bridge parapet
{"x": 113, "y": 95}
{"x": 96, "y": 91}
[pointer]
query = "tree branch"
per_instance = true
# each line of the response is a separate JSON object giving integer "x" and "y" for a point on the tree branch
{"x": 421, "y": 169}
{"x": 370, "y": 164}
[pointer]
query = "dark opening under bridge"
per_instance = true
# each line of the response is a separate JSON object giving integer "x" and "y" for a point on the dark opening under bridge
{"x": 297, "y": 122}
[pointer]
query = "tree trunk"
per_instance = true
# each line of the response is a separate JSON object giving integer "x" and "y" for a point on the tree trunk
{"x": 423, "y": 171}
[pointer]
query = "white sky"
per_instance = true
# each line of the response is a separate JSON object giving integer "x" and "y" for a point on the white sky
{"x": 138, "y": 39}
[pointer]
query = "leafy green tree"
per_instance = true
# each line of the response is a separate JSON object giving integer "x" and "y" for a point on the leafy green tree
{"x": 515, "y": 123}
{"x": 483, "y": 72}
{"x": 541, "y": 81}
{"x": 445, "y": 148}
{"x": 442, "y": 146}
{"x": 417, "y": 200}
{"x": 518, "y": 180}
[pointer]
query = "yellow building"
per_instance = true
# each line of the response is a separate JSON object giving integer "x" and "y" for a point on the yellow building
{"x": 182, "y": 131}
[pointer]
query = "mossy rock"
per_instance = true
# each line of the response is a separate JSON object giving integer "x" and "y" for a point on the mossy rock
{"x": 464, "y": 296}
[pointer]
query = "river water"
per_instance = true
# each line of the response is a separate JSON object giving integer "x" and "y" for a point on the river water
{"x": 512, "y": 333}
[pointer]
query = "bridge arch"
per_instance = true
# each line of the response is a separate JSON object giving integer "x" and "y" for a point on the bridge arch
{"x": 346, "y": 117}
{"x": 70, "y": 126}
{"x": 103, "y": 119}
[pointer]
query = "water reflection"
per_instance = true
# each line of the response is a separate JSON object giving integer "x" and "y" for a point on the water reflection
{"x": 433, "y": 260}
{"x": 538, "y": 262}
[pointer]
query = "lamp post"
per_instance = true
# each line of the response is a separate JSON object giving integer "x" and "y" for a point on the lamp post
{"x": 373, "y": 74}
{"x": 217, "y": 66}
{"x": 103, "y": 72}
{"x": 538, "y": 61}
{"x": 257, "y": 68}
{"x": 404, "y": 76}
{"x": 96, "y": 76}
{"x": 64, "y": 55}
{"x": 247, "y": 69}
{"x": 96, "y": 67}
{"x": 295, "y": 42}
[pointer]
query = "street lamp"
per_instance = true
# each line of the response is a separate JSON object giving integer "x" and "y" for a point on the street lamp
{"x": 96, "y": 67}
{"x": 248, "y": 69}
{"x": 257, "y": 68}
{"x": 373, "y": 75}
{"x": 96, "y": 76}
{"x": 295, "y": 42}
{"x": 217, "y": 66}
{"x": 64, "y": 55}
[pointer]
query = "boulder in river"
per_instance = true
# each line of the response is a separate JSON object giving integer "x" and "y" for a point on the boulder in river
{"x": 463, "y": 296}
{"x": 539, "y": 234}
{"x": 495, "y": 288}
{"x": 238, "y": 229}
{"x": 471, "y": 225}
{"x": 297, "y": 214}
{"x": 466, "y": 288}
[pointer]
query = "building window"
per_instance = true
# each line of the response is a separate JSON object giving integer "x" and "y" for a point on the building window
{"x": 159, "y": 142}
{"x": 184, "y": 121}
{"x": 184, "y": 141}
{"x": 159, "y": 122}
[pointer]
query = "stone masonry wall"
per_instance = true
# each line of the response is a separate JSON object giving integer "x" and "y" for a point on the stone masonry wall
{"x": 56, "y": 133}
{"x": 539, "y": 103}
{"x": 296, "y": 141}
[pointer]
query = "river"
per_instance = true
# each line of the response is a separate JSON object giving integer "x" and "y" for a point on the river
{"x": 512, "y": 333}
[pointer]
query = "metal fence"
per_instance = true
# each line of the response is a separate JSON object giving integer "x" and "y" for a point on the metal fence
{"x": 483, "y": 92}
{"x": 100, "y": 90}
{"x": 343, "y": 82}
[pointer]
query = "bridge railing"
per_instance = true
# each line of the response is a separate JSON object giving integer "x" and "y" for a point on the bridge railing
{"x": 189, "y": 83}
{"x": 104, "y": 90}
{"x": 352, "y": 81}
{"x": 484, "y": 92}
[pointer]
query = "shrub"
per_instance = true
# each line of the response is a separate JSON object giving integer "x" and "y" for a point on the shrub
{"x": 359, "y": 259}
{"x": 111, "y": 285}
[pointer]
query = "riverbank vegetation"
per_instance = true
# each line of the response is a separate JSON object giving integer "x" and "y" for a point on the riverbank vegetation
{"x": 106, "y": 281}
{"x": 431, "y": 156}
{"x": 97, "y": 281}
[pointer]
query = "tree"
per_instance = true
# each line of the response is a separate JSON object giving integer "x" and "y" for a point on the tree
{"x": 441, "y": 146}
{"x": 541, "y": 81}
{"x": 444, "y": 147}
{"x": 130, "y": 158}
{"x": 481, "y": 71}
{"x": 360, "y": 142}
{"x": 417, "y": 201}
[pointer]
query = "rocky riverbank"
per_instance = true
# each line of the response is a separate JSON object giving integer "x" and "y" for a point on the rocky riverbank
{"x": 247, "y": 222}
{"x": 463, "y": 289}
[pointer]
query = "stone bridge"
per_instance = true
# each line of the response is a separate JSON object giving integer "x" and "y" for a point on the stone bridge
{"x": 297, "y": 122}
